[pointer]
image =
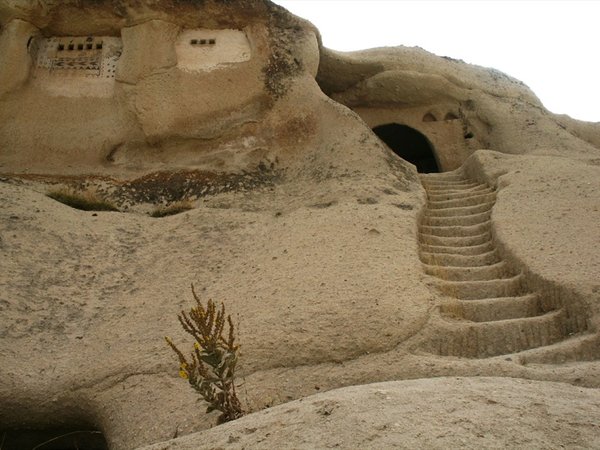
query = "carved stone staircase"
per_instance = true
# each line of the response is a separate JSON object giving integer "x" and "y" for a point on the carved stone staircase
{"x": 487, "y": 310}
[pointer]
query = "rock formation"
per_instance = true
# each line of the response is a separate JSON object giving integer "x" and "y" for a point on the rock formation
{"x": 341, "y": 264}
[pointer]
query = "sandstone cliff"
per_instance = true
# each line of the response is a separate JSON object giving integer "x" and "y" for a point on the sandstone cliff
{"x": 317, "y": 236}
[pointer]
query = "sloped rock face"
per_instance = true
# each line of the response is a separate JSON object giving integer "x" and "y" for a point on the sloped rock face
{"x": 150, "y": 113}
{"x": 436, "y": 413}
{"x": 100, "y": 86}
{"x": 304, "y": 223}
{"x": 459, "y": 107}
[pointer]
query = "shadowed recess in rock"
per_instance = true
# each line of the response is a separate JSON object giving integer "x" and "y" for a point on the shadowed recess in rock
{"x": 52, "y": 439}
{"x": 409, "y": 144}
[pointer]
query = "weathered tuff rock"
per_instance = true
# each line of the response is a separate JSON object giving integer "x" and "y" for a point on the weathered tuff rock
{"x": 434, "y": 413}
{"x": 122, "y": 88}
{"x": 315, "y": 234}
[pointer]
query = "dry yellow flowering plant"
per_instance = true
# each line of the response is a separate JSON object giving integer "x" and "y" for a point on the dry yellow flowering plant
{"x": 211, "y": 367}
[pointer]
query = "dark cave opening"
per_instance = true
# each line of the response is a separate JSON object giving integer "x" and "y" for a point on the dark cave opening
{"x": 52, "y": 439}
{"x": 409, "y": 144}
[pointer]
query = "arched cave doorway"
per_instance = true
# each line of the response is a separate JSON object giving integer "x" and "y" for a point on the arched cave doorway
{"x": 409, "y": 144}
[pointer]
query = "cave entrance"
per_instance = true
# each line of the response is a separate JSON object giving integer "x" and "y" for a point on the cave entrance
{"x": 52, "y": 439}
{"x": 409, "y": 144}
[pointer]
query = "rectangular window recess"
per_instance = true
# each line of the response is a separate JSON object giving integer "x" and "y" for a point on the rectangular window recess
{"x": 71, "y": 47}
{"x": 89, "y": 46}
{"x": 99, "y": 46}
{"x": 203, "y": 41}
{"x": 61, "y": 47}
{"x": 79, "y": 46}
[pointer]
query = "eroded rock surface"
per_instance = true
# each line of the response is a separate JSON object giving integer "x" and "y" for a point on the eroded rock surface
{"x": 303, "y": 222}
{"x": 435, "y": 413}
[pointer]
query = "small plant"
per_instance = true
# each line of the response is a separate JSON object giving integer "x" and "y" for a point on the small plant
{"x": 86, "y": 201}
{"x": 211, "y": 368}
{"x": 172, "y": 209}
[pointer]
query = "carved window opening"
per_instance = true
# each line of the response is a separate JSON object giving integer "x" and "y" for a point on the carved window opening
{"x": 204, "y": 49}
{"x": 84, "y": 57}
{"x": 195, "y": 42}
{"x": 429, "y": 118}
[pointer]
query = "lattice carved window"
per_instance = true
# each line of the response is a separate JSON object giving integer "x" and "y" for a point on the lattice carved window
{"x": 94, "y": 57}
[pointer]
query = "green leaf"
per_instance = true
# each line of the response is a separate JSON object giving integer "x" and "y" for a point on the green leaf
{"x": 211, "y": 359}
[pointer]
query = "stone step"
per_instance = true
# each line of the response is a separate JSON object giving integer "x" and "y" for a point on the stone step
{"x": 494, "y": 309}
{"x": 428, "y": 182}
{"x": 578, "y": 347}
{"x": 475, "y": 199}
{"x": 448, "y": 183}
{"x": 451, "y": 174}
{"x": 441, "y": 190}
{"x": 446, "y": 176}
{"x": 453, "y": 195}
{"x": 462, "y": 273}
{"x": 472, "y": 219}
{"x": 467, "y": 250}
{"x": 503, "y": 337}
{"x": 463, "y": 241}
{"x": 456, "y": 230}
{"x": 448, "y": 259}
{"x": 476, "y": 290}
{"x": 456, "y": 174}
{"x": 491, "y": 314}
{"x": 459, "y": 211}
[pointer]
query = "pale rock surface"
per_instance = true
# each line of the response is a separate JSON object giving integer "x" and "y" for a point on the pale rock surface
{"x": 500, "y": 112}
{"x": 304, "y": 223}
{"x": 147, "y": 48}
{"x": 162, "y": 110}
{"x": 219, "y": 48}
{"x": 437, "y": 413}
{"x": 14, "y": 58}
{"x": 560, "y": 245}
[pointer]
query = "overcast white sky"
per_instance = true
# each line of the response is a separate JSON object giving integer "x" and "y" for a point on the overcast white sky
{"x": 552, "y": 46}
